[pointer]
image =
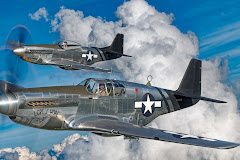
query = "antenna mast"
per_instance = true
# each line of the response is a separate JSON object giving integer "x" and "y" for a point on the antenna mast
{"x": 111, "y": 72}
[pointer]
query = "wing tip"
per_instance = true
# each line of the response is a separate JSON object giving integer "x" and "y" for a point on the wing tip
{"x": 234, "y": 145}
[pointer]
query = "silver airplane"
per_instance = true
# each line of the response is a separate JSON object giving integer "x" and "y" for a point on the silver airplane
{"x": 65, "y": 54}
{"x": 108, "y": 107}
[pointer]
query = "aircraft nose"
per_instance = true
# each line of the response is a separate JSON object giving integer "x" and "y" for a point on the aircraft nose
{"x": 7, "y": 106}
{"x": 19, "y": 51}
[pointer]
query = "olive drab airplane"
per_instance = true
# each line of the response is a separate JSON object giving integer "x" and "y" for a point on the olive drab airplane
{"x": 65, "y": 54}
{"x": 108, "y": 107}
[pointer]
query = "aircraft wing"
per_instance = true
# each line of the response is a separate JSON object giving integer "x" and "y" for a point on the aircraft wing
{"x": 108, "y": 124}
{"x": 69, "y": 65}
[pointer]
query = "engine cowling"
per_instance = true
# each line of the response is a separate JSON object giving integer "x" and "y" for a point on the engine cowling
{"x": 8, "y": 104}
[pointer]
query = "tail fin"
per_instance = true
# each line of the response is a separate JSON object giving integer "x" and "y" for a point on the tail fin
{"x": 189, "y": 91}
{"x": 117, "y": 44}
{"x": 191, "y": 82}
{"x": 115, "y": 50}
{"x": 6, "y": 87}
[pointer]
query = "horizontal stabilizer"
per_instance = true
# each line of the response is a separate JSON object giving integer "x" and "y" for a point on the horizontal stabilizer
{"x": 113, "y": 52}
{"x": 197, "y": 97}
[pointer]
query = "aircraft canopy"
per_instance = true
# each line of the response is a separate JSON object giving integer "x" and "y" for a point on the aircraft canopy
{"x": 103, "y": 87}
{"x": 66, "y": 43}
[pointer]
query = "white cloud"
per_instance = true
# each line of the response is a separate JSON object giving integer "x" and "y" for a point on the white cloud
{"x": 23, "y": 153}
{"x": 20, "y": 153}
{"x": 160, "y": 49}
{"x": 58, "y": 148}
{"x": 149, "y": 37}
{"x": 41, "y": 13}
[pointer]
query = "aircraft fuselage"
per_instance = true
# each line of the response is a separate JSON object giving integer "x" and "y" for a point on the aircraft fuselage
{"x": 127, "y": 101}
{"x": 53, "y": 54}
{"x": 69, "y": 56}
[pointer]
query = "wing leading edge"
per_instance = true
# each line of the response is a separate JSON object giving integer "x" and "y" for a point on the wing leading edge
{"x": 110, "y": 125}
{"x": 69, "y": 65}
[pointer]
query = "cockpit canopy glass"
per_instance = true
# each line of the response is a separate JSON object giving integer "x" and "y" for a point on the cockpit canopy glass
{"x": 119, "y": 89}
{"x": 103, "y": 87}
{"x": 66, "y": 43}
{"x": 84, "y": 83}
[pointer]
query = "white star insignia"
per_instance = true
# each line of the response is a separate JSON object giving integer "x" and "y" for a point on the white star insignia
{"x": 89, "y": 55}
{"x": 148, "y": 105}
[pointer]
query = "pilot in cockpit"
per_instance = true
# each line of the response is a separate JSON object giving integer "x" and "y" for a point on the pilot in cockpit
{"x": 64, "y": 45}
{"x": 101, "y": 91}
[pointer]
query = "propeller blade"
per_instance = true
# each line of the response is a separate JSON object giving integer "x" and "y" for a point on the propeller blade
{"x": 18, "y": 36}
{"x": 15, "y": 70}
{"x": 15, "y": 44}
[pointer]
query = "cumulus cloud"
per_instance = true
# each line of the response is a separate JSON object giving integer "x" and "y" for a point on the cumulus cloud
{"x": 159, "y": 49}
{"x": 41, "y": 13}
{"x": 57, "y": 151}
{"x": 17, "y": 153}
{"x": 149, "y": 37}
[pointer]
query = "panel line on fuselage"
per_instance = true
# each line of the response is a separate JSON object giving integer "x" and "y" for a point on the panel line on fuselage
{"x": 164, "y": 98}
{"x": 100, "y": 53}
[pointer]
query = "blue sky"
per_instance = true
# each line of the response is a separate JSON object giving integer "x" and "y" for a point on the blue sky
{"x": 215, "y": 23}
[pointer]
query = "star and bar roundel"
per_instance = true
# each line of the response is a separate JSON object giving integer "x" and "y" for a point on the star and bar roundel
{"x": 89, "y": 56}
{"x": 148, "y": 104}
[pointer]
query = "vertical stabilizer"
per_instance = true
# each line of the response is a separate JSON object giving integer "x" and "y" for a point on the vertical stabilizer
{"x": 191, "y": 82}
{"x": 117, "y": 44}
{"x": 115, "y": 50}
